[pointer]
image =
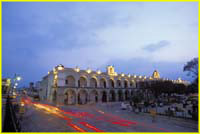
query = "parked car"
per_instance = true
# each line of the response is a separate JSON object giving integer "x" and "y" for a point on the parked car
{"x": 124, "y": 106}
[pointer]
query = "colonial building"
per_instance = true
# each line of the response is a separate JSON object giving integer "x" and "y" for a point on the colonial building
{"x": 74, "y": 86}
{"x": 6, "y": 85}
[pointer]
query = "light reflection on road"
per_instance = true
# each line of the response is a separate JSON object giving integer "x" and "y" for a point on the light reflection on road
{"x": 69, "y": 116}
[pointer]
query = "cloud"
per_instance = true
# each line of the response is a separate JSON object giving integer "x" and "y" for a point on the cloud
{"x": 93, "y": 34}
{"x": 157, "y": 46}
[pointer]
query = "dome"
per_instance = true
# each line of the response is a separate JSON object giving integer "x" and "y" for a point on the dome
{"x": 156, "y": 74}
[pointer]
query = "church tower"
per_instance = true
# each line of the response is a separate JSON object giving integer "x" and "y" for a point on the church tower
{"x": 111, "y": 70}
{"x": 156, "y": 75}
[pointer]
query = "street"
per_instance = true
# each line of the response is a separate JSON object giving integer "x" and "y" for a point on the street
{"x": 104, "y": 117}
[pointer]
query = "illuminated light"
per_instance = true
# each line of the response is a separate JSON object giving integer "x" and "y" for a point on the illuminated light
{"x": 145, "y": 77}
{"x": 60, "y": 68}
{"x": 77, "y": 69}
{"x": 128, "y": 122}
{"x": 100, "y": 111}
{"x": 134, "y": 76}
{"x": 56, "y": 76}
{"x": 88, "y": 71}
{"x": 91, "y": 127}
{"x": 98, "y": 72}
{"x": 140, "y": 76}
{"x": 22, "y": 104}
{"x": 122, "y": 74}
{"x": 121, "y": 124}
{"x": 16, "y": 84}
{"x": 76, "y": 127}
{"x": 48, "y": 72}
{"x": 129, "y": 75}
{"x": 18, "y": 78}
{"x": 8, "y": 82}
{"x": 51, "y": 110}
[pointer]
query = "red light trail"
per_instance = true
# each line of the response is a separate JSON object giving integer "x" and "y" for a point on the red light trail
{"x": 75, "y": 127}
{"x": 91, "y": 127}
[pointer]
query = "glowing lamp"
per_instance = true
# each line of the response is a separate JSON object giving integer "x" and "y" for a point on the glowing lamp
{"x": 89, "y": 71}
{"x": 77, "y": 69}
{"x": 18, "y": 78}
{"x": 98, "y": 72}
{"x": 60, "y": 68}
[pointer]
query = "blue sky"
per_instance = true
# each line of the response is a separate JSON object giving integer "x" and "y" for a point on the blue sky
{"x": 136, "y": 37}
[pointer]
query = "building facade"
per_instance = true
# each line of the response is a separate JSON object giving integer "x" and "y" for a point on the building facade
{"x": 6, "y": 85}
{"x": 74, "y": 86}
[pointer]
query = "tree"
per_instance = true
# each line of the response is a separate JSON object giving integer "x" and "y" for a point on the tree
{"x": 192, "y": 67}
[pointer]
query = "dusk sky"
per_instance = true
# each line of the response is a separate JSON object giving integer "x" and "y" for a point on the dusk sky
{"x": 136, "y": 37}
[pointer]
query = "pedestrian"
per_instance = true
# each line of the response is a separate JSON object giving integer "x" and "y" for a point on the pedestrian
{"x": 153, "y": 115}
{"x": 169, "y": 112}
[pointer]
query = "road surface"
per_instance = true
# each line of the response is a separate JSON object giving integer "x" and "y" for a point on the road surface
{"x": 106, "y": 117}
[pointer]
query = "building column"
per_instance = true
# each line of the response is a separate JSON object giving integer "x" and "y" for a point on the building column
{"x": 116, "y": 97}
{"x": 107, "y": 97}
{"x": 100, "y": 96}
{"x": 123, "y": 96}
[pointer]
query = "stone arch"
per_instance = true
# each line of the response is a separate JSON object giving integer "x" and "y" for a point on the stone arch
{"x": 82, "y": 82}
{"x": 112, "y": 96}
{"x": 70, "y": 81}
{"x": 82, "y": 97}
{"x": 120, "y": 95}
{"x": 132, "y": 84}
{"x": 126, "y": 84}
{"x": 104, "y": 96}
{"x": 94, "y": 96}
{"x": 119, "y": 84}
{"x": 111, "y": 83}
{"x": 127, "y": 95}
{"x": 70, "y": 97}
{"x": 132, "y": 93}
{"x": 93, "y": 82}
{"x": 103, "y": 83}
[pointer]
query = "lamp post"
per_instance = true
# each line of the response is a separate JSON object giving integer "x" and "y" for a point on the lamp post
{"x": 15, "y": 84}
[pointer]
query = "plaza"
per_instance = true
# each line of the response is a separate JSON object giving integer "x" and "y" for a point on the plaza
{"x": 105, "y": 117}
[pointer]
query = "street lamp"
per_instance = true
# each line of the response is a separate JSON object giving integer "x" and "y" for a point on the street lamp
{"x": 15, "y": 84}
{"x": 18, "y": 78}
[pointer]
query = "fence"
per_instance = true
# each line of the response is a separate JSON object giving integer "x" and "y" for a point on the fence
{"x": 11, "y": 123}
